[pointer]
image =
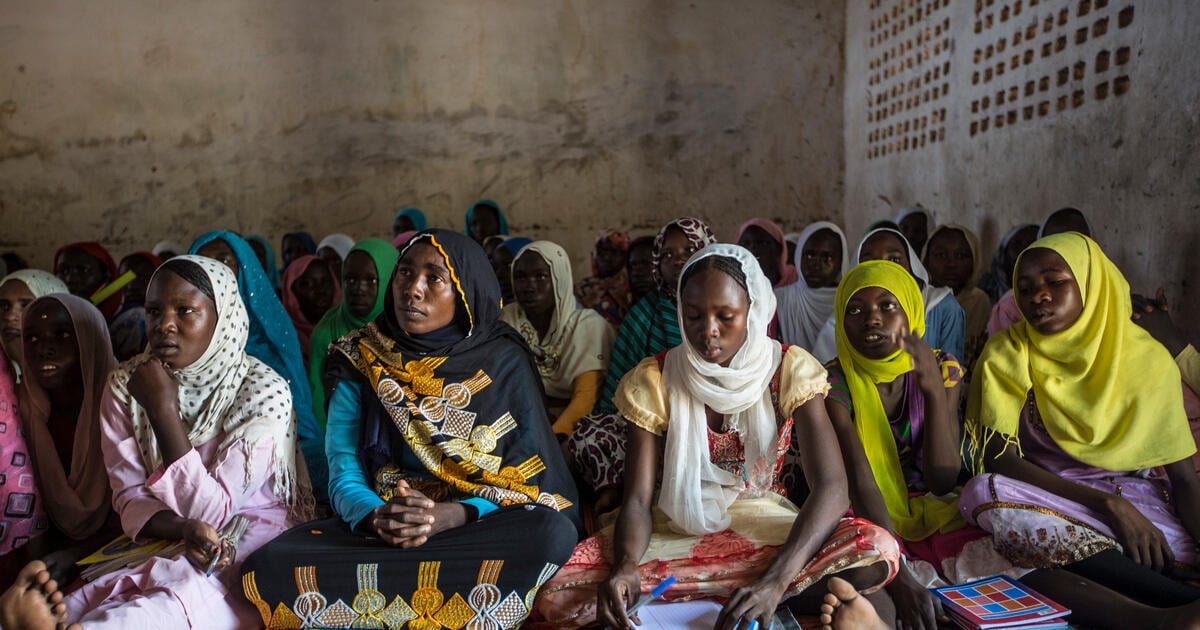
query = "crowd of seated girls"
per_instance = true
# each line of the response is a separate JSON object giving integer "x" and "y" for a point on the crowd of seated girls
{"x": 446, "y": 428}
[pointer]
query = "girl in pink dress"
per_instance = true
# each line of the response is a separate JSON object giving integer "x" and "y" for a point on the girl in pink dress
{"x": 194, "y": 433}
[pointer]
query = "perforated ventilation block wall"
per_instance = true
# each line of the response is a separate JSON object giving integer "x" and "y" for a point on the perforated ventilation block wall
{"x": 1028, "y": 59}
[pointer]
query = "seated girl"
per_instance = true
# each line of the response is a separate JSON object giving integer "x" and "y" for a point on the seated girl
{"x": 894, "y": 403}
{"x": 709, "y": 422}
{"x": 453, "y": 502}
{"x": 485, "y": 219}
{"x": 24, "y": 518}
{"x": 272, "y": 339}
{"x": 310, "y": 289}
{"x": 1076, "y": 416}
{"x": 408, "y": 220}
{"x": 17, "y": 291}
{"x": 945, "y": 321}
{"x": 334, "y": 248}
{"x": 128, "y": 327}
{"x": 607, "y": 289}
{"x": 503, "y": 250}
{"x": 822, "y": 256}
{"x": 65, "y": 359}
{"x": 195, "y": 433}
{"x": 86, "y": 268}
{"x": 365, "y": 278}
{"x": 294, "y": 245}
{"x": 640, "y": 268}
{"x": 764, "y": 238}
{"x": 597, "y": 448}
{"x": 997, "y": 280}
{"x": 570, "y": 344}
{"x": 952, "y": 258}
{"x": 1005, "y": 313}
{"x": 266, "y": 257}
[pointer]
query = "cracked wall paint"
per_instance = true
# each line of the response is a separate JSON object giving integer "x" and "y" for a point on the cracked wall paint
{"x": 268, "y": 117}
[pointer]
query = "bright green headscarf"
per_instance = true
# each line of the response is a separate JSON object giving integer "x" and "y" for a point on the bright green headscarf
{"x": 918, "y": 517}
{"x": 339, "y": 320}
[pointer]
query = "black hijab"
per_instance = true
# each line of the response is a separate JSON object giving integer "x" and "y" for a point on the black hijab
{"x": 440, "y": 387}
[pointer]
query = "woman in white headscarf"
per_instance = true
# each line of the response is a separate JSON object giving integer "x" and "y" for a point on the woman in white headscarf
{"x": 17, "y": 291}
{"x": 570, "y": 344}
{"x": 822, "y": 256}
{"x": 720, "y": 408}
{"x": 197, "y": 437}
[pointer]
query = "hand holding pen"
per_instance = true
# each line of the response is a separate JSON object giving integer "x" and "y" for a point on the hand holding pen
{"x": 631, "y": 613}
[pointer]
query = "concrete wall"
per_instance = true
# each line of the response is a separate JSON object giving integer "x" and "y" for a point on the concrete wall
{"x": 129, "y": 122}
{"x": 1105, "y": 117}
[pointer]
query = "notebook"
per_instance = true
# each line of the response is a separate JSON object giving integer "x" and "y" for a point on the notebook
{"x": 999, "y": 602}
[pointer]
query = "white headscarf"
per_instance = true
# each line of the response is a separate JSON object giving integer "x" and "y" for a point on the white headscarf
{"x": 168, "y": 246}
{"x": 40, "y": 283}
{"x": 225, "y": 390}
{"x": 803, "y": 310}
{"x": 696, "y": 494}
{"x": 579, "y": 339}
{"x": 340, "y": 243}
{"x": 932, "y": 295}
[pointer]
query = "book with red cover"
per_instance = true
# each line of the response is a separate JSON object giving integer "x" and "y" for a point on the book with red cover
{"x": 999, "y": 602}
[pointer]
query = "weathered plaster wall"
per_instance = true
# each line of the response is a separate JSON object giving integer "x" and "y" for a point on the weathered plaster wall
{"x": 129, "y": 122}
{"x": 1069, "y": 137}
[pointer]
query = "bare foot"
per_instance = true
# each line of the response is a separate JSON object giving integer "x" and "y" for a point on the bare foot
{"x": 844, "y": 609}
{"x": 33, "y": 601}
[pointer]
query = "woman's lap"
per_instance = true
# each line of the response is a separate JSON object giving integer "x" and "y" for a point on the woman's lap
{"x": 321, "y": 573}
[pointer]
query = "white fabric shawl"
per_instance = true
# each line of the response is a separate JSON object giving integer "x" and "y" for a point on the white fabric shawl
{"x": 803, "y": 310}
{"x": 224, "y": 390}
{"x": 696, "y": 494}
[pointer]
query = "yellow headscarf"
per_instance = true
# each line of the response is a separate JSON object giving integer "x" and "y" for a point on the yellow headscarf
{"x": 1107, "y": 392}
{"x": 918, "y": 517}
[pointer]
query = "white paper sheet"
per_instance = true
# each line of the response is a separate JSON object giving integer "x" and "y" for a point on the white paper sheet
{"x": 700, "y": 614}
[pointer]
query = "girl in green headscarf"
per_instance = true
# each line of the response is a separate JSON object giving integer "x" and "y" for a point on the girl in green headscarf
{"x": 365, "y": 277}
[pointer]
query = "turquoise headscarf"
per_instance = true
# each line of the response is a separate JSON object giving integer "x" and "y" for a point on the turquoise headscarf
{"x": 272, "y": 268}
{"x": 272, "y": 340}
{"x": 416, "y": 216}
{"x": 339, "y": 320}
{"x": 490, "y": 204}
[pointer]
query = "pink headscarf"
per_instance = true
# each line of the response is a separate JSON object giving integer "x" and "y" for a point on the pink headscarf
{"x": 787, "y": 271}
{"x": 291, "y": 303}
{"x": 403, "y": 238}
{"x": 78, "y": 500}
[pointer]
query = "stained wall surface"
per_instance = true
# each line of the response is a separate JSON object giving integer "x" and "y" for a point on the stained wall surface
{"x": 994, "y": 112}
{"x": 132, "y": 122}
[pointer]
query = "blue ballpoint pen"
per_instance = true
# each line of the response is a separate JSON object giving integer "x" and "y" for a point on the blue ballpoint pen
{"x": 212, "y": 565}
{"x": 654, "y": 594}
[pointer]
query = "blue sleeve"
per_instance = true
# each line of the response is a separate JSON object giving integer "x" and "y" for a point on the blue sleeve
{"x": 350, "y": 492}
{"x": 482, "y": 506}
{"x": 949, "y": 323}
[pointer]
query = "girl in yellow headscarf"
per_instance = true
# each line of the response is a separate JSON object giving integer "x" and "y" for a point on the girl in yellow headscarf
{"x": 892, "y": 401}
{"x": 1076, "y": 415}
